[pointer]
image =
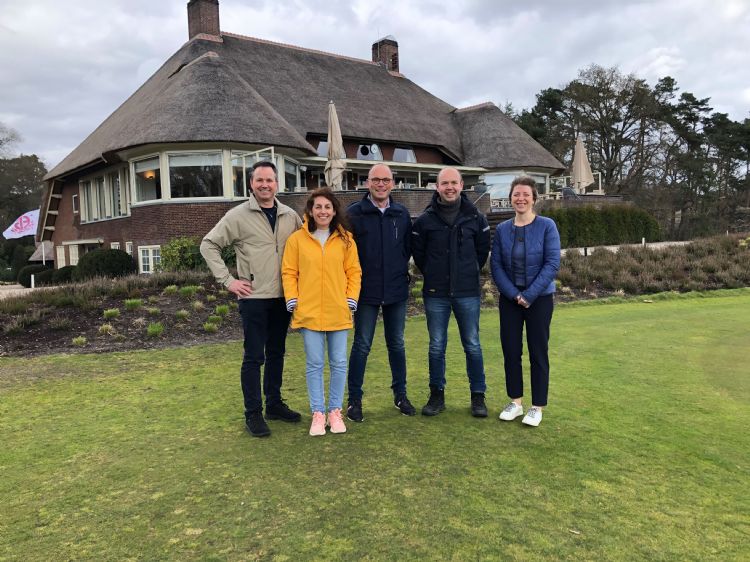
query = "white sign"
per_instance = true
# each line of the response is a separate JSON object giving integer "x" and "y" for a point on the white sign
{"x": 25, "y": 225}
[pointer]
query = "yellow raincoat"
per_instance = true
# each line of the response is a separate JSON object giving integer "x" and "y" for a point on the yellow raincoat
{"x": 321, "y": 279}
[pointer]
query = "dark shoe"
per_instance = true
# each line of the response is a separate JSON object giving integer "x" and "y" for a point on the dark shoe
{"x": 280, "y": 411}
{"x": 435, "y": 403}
{"x": 478, "y": 407}
{"x": 402, "y": 403}
{"x": 256, "y": 425}
{"x": 354, "y": 410}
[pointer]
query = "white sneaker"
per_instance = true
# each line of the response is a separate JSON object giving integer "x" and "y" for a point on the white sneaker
{"x": 511, "y": 411}
{"x": 533, "y": 416}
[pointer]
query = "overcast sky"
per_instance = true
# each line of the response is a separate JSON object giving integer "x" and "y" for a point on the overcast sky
{"x": 65, "y": 65}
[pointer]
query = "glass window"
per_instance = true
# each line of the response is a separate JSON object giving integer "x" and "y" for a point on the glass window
{"x": 498, "y": 186}
{"x": 323, "y": 148}
{"x": 195, "y": 175}
{"x": 404, "y": 182}
{"x": 101, "y": 201}
{"x": 87, "y": 201}
{"x": 404, "y": 154}
{"x": 75, "y": 205}
{"x": 114, "y": 194}
{"x": 150, "y": 259}
{"x": 114, "y": 245}
{"x": 129, "y": 248}
{"x": 240, "y": 176}
{"x": 369, "y": 152}
{"x": 147, "y": 180}
{"x": 290, "y": 175}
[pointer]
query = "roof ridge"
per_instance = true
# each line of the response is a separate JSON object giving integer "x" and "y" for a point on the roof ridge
{"x": 297, "y": 47}
{"x": 477, "y": 106}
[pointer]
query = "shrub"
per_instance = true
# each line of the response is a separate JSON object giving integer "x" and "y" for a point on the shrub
{"x": 198, "y": 306}
{"x": 106, "y": 330}
{"x": 63, "y": 275}
{"x": 111, "y": 313}
{"x": 182, "y": 314}
{"x": 24, "y": 275}
{"x": 79, "y": 341}
{"x": 44, "y": 277}
{"x": 489, "y": 299}
{"x": 188, "y": 291}
{"x": 155, "y": 329}
{"x": 133, "y": 304}
{"x": 223, "y": 293}
{"x": 153, "y": 311}
{"x": 170, "y": 290}
{"x": 588, "y": 226}
{"x": 416, "y": 291}
{"x": 210, "y": 298}
{"x": 59, "y": 323}
{"x": 104, "y": 263}
{"x": 210, "y": 327}
{"x": 153, "y": 299}
{"x": 222, "y": 309}
{"x": 214, "y": 319}
{"x": 182, "y": 254}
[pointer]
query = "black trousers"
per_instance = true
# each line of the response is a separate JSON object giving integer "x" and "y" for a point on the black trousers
{"x": 537, "y": 319}
{"x": 265, "y": 323}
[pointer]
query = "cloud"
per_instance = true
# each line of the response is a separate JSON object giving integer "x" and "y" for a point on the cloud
{"x": 70, "y": 64}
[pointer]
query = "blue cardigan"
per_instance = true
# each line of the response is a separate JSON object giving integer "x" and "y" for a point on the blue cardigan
{"x": 542, "y": 258}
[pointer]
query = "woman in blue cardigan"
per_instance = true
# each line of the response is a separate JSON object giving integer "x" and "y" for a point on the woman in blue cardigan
{"x": 525, "y": 259}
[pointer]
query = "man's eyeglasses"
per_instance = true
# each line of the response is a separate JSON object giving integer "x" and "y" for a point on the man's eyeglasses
{"x": 384, "y": 181}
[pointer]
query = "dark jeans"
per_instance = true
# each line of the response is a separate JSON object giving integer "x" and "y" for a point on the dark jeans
{"x": 265, "y": 323}
{"x": 466, "y": 309}
{"x": 537, "y": 319}
{"x": 394, "y": 317}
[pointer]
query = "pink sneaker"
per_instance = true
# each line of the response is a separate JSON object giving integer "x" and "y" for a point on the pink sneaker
{"x": 335, "y": 421}
{"x": 318, "y": 426}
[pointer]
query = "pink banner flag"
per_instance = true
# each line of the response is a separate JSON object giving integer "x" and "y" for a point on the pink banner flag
{"x": 25, "y": 225}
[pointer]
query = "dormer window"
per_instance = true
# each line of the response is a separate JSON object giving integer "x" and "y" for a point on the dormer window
{"x": 323, "y": 148}
{"x": 404, "y": 154}
{"x": 369, "y": 152}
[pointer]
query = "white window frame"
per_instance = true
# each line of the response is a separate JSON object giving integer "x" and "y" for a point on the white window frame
{"x": 60, "y": 256}
{"x": 114, "y": 245}
{"x": 168, "y": 181}
{"x": 151, "y": 254}
{"x": 76, "y": 202}
{"x": 164, "y": 190}
{"x": 129, "y": 248}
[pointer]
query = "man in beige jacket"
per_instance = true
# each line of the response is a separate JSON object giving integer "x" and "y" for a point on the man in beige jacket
{"x": 258, "y": 230}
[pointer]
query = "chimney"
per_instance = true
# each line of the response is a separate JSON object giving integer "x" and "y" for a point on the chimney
{"x": 203, "y": 17}
{"x": 385, "y": 52}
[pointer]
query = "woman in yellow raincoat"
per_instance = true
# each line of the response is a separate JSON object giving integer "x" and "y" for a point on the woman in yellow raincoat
{"x": 322, "y": 276}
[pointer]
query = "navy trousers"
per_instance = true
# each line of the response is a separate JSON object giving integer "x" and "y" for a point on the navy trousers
{"x": 537, "y": 319}
{"x": 265, "y": 323}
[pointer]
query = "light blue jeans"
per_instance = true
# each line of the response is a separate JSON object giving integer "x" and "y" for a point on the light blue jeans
{"x": 315, "y": 343}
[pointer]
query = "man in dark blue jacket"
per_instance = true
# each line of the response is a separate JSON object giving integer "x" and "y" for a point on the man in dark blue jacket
{"x": 450, "y": 245}
{"x": 382, "y": 230}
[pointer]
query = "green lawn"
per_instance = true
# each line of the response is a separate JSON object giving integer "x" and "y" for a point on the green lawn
{"x": 643, "y": 453}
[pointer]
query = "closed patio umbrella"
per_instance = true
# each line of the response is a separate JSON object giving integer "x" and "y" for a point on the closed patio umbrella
{"x": 334, "y": 169}
{"x": 580, "y": 174}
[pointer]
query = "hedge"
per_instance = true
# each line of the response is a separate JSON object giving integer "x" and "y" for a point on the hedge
{"x": 104, "y": 263}
{"x": 24, "y": 275}
{"x": 589, "y": 226}
{"x": 63, "y": 275}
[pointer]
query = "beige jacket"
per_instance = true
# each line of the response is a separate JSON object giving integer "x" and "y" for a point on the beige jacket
{"x": 259, "y": 249}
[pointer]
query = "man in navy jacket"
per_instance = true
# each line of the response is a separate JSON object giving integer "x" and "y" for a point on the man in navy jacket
{"x": 450, "y": 245}
{"x": 382, "y": 230}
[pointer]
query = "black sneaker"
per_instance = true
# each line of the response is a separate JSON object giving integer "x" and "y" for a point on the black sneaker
{"x": 280, "y": 411}
{"x": 402, "y": 403}
{"x": 435, "y": 403}
{"x": 256, "y": 425}
{"x": 478, "y": 407}
{"x": 354, "y": 410}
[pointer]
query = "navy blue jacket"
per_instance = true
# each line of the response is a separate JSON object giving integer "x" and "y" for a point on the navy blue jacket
{"x": 542, "y": 246}
{"x": 450, "y": 257}
{"x": 384, "y": 248}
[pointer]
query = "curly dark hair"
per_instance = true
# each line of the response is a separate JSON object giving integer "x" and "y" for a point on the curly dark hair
{"x": 338, "y": 222}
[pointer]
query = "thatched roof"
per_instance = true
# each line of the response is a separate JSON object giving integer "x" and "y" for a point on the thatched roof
{"x": 253, "y": 91}
{"x": 492, "y": 140}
